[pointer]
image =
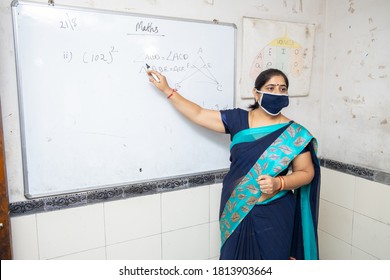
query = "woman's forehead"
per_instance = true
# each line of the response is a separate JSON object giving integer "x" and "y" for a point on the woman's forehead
{"x": 276, "y": 80}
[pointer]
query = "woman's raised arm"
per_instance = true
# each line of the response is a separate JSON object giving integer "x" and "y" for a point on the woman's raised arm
{"x": 210, "y": 119}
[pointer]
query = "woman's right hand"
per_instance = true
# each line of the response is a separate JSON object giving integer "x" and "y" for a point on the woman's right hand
{"x": 161, "y": 84}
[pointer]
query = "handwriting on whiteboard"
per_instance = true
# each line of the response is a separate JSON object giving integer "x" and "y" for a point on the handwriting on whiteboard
{"x": 104, "y": 56}
{"x": 175, "y": 61}
{"x": 189, "y": 64}
{"x": 148, "y": 27}
{"x": 68, "y": 22}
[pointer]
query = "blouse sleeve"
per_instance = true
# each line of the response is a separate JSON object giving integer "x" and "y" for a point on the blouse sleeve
{"x": 224, "y": 117}
{"x": 234, "y": 120}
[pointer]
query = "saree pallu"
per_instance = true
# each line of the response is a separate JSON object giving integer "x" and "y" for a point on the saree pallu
{"x": 283, "y": 226}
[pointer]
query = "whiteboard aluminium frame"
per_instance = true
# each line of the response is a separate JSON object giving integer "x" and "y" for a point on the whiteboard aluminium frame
{"x": 19, "y": 78}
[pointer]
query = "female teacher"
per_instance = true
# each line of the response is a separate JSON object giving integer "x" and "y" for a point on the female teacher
{"x": 270, "y": 196}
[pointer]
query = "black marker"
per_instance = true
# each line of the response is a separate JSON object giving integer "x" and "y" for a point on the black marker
{"x": 153, "y": 75}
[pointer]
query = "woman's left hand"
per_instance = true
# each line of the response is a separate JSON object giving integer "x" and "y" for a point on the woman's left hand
{"x": 268, "y": 184}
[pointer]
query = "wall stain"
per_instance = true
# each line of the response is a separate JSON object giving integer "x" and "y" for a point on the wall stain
{"x": 307, "y": 32}
{"x": 209, "y": 2}
{"x": 358, "y": 100}
{"x": 152, "y": 2}
{"x": 384, "y": 122}
{"x": 262, "y": 8}
{"x": 91, "y": 4}
{"x": 351, "y": 9}
{"x": 300, "y": 7}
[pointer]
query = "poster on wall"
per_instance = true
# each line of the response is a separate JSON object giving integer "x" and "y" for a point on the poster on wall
{"x": 274, "y": 44}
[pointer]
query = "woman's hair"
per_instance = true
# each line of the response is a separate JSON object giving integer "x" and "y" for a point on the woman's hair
{"x": 263, "y": 78}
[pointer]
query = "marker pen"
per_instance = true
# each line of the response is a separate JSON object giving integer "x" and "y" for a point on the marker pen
{"x": 153, "y": 75}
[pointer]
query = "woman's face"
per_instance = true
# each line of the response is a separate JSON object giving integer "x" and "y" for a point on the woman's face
{"x": 276, "y": 84}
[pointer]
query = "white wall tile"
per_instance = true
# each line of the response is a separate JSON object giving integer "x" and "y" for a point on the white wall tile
{"x": 148, "y": 248}
{"x": 337, "y": 187}
{"x": 358, "y": 254}
{"x": 215, "y": 199}
{"x": 186, "y": 244}
{"x": 132, "y": 218}
{"x": 215, "y": 240}
{"x": 332, "y": 248}
{"x": 185, "y": 208}
{"x": 215, "y": 236}
{"x": 372, "y": 200}
{"x": 94, "y": 254}
{"x": 336, "y": 220}
{"x": 69, "y": 231}
{"x": 24, "y": 238}
{"x": 371, "y": 236}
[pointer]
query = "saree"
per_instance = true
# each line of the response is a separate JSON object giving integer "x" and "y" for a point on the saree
{"x": 283, "y": 226}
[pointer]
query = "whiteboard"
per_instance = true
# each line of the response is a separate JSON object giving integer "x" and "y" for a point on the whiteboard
{"x": 89, "y": 116}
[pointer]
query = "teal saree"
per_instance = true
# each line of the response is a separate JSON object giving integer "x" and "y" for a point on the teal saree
{"x": 283, "y": 226}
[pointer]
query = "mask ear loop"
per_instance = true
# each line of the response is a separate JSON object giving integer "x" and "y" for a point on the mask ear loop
{"x": 257, "y": 99}
{"x": 260, "y": 99}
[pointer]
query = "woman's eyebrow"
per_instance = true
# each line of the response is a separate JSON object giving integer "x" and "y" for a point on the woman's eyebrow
{"x": 275, "y": 85}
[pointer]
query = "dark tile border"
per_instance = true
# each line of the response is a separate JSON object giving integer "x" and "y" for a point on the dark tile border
{"x": 366, "y": 173}
{"x": 164, "y": 185}
{"x": 66, "y": 201}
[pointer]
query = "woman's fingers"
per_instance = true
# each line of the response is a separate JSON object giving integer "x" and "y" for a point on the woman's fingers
{"x": 266, "y": 184}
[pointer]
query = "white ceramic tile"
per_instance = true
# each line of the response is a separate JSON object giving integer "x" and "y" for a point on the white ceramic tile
{"x": 338, "y": 187}
{"x": 358, "y": 254}
{"x": 132, "y": 218}
{"x": 70, "y": 231}
{"x": 336, "y": 220}
{"x": 94, "y": 254}
{"x": 185, "y": 208}
{"x": 24, "y": 238}
{"x": 332, "y": 248}
{"x": 215, "y": 240}
{"x": 215, "y": 199}
{"x": 148, "y": 248}
{"x": 186, "y": 244}
{"x": 371, "y": 236}
{"x": 372, "y": 200}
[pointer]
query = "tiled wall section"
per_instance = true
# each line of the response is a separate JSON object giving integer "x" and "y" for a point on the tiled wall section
{"x": 354, "y": 220}
{"x": 354, "y": 223}
{"x": 180, "y": 224}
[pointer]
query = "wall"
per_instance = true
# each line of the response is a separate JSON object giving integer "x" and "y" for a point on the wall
{"x": 355, "y": 117}
{"x": 181, "y": 224}
{"x": 354, "y": 212}
{"x": 354, "y": 222}
{"x": 346, "y": 220}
